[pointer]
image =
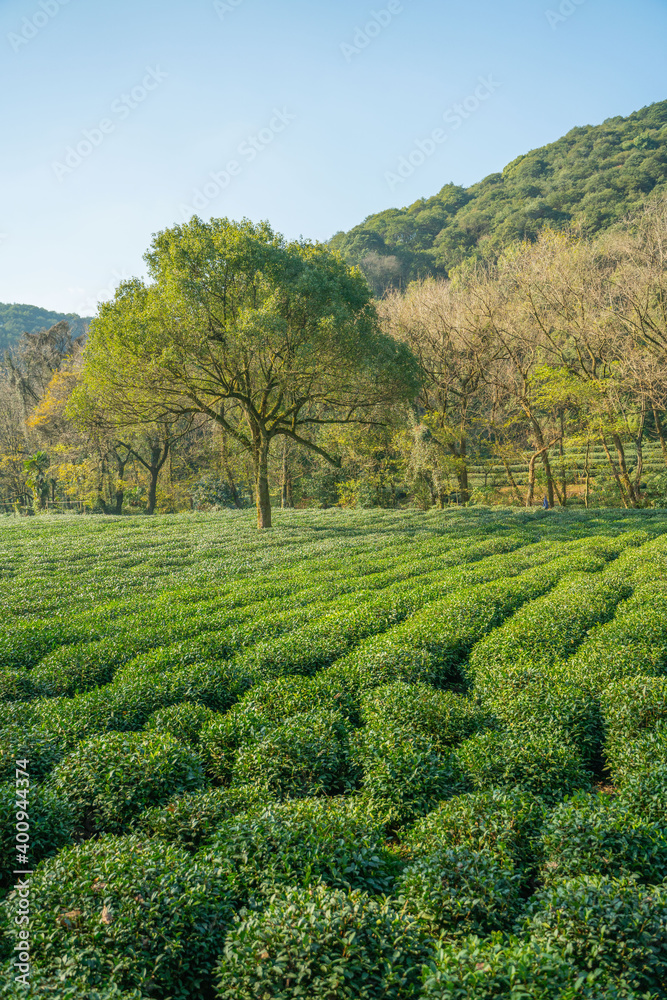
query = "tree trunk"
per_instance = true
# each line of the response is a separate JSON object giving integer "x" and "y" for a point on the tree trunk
{"x": 463, "y": 474}
{"x": 152, "y": 489}
{"x": 120, "y": 493}
{"x": 262, "y": 495}
{"x": 159, "y": 455}
{"x": 560, "y": 496}
{"x": 510, "y": 476}
{"x": 549, "y": 474}
{"x": 627, "y": 482}
{"x": 639, "y": 446}
{"x": 563, "y": 476}
{"x": 531, "y": 474}
{"x": 614, "y": 471}
{"x": 119, "y": 497}
{"x": 543, "y": 450}
{"x": 588, "y": 474}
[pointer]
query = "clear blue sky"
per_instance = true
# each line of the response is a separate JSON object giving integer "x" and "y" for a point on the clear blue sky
{"x": 311, "y": 114}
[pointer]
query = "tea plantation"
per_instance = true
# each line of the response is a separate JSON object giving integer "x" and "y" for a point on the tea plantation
{"x": 372, "y": 754}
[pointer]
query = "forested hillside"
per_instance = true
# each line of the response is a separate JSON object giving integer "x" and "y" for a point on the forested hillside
{"x": 536, "y": 375}
{"x": 592, "y": 177}
{"x": 16, "y": 319}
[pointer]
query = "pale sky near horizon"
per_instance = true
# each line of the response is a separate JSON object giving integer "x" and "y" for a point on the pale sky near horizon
{"x": 122, "y": 119}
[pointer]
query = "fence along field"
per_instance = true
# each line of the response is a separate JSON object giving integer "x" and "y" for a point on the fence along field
{"x": 371, "y": 754}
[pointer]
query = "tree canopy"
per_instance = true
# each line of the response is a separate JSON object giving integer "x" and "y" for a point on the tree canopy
{"x": 265, "y": 337}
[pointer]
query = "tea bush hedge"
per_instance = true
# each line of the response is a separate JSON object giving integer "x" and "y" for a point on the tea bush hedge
{"x": 128, "y": 911}
{"x": 51, "y": 821}
{"x": 192, "y": 818}
{"x": 598, "y": 835}
{"x": 308, "y": 754}
{"x": 633, "y": 706}
{"x": 459, "y": 891}
{"x": 403, "y": 775}
{"x": 501, "y": 967}
{"x": 644, "y": 789}
{"x": 506, "y": 820}
{"x": 184, "y": 721}
{"x": 324, "y": 944}
{"x": 109, "y": 779}
{"x": 642, "y": 757}
{"x": 301, "y": 842}
{"x": 365, "y": 733}
{"x": 543, "y": 761}
{"x": 597, "y": 922}
{"x": 447, "y": 718}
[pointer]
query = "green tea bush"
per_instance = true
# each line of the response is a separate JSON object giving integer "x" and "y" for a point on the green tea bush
{"x": 546, "y": 630}
{"x": 27, "y": 740}
{"x": 17, "y": 685}
{"x": 507, "y": 820}
{"x": 51, "y": 820}
{"x": 403, "y": 774}
{"x": 512, "y": 968}
{"x": 644, "y": 791}
{"x": 542, "y": 761}
{"x": 64, "y": 984}
{"x": 300, "y": 842}
{"x": 632, "y": 706}
{"x": 633, "y": 643}
{"x": 431, "y": 646}
{"x": 323, "y": 944}
{"x": 221, "y": 738}
{"x": 459, "y": 890}
{"x": 79, "y": 667}
{"x": 311, "y": 647}
{"x": 127, "y": 703}
{"x": 193, "y": 818}
{"x": 533, "y": 698}
{"x": 446, "y": 717}
{"x": 615, "y": 925}
{"x": 111, "y": 778}
{"x": 25, "y": 643}
{"x": 308, "y": 754}
{"x": 128, "y": 911}
{"x": 316, "y": 658}
{"x": 184, "y": 721}
{"x": 642, "y": 756}
{"x": 597, "y": 835}
{"x": 279, "y": 698}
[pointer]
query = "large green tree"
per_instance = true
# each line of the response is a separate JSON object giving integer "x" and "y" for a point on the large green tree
{"x": 266, "y": 337}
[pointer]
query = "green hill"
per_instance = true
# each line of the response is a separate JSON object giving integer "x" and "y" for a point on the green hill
{"x": 591, "y": 177}
{"x": 16, "y": 319}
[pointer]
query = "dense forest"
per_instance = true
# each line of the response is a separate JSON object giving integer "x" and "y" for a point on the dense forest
{"x": 16, "y": 320}
{"x": 590, "y": 179}
{"x": 529, "y": 369}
